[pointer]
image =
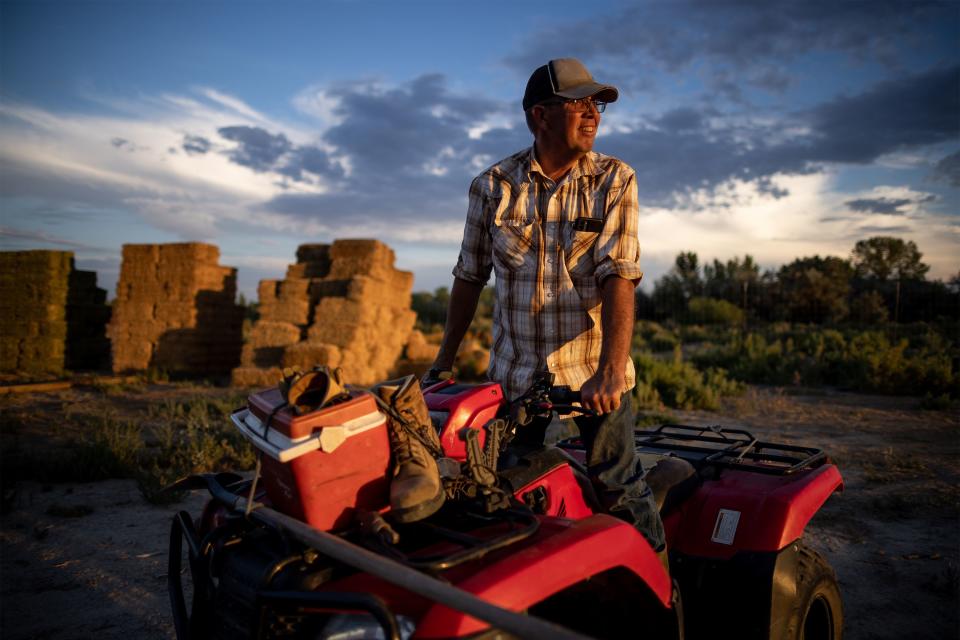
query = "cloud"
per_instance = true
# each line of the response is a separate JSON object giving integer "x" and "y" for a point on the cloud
{"x": 886, "y": 206}
{"x": 17, "y": 236}
{"x": 257, "y": 148}
{"x": 948, "y": 170}
{"x": 689, "y": 147}
{"x": 756, "y": 41}
{"x": 195, "y": 145}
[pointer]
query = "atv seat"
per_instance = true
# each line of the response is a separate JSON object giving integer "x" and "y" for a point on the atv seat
{"x": 671, "y": 479}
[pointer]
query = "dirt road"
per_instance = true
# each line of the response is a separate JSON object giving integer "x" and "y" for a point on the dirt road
{"x": 89, "y": 560}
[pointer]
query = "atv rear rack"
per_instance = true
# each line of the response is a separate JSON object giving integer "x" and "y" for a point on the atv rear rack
{"x": 730, "y": 448}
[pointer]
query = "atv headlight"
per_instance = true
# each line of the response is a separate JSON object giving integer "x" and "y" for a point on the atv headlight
{"x": 360, "y": 626}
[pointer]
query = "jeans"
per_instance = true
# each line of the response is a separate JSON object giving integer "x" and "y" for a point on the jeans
{"x": 613, "y": 466}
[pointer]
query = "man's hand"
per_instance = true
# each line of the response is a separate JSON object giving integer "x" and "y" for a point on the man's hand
{"x": 602, "y": 392}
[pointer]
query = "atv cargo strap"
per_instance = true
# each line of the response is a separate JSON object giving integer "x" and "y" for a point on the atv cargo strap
{"x": 522, "y": 626}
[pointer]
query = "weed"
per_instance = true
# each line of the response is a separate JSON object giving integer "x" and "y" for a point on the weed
{"x": 173, "y": 439}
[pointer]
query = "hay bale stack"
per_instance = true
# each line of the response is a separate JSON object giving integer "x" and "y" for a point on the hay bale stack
{"x": 33, "y": 312}
{"x": 52, "y": 316}
{"x": 175, "y": 310}
{"x": 350, "y": 306}
{"x": 87, "y": 316}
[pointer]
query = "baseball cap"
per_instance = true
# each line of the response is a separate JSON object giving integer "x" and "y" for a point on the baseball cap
{"x": 565, "y": 78}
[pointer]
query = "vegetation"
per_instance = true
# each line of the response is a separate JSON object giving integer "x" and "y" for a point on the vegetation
{"x": 155, "y": 447}
{"x": 871, "y": 323}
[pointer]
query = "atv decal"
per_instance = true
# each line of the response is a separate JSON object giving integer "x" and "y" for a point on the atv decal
{"x": 726, "y": 527}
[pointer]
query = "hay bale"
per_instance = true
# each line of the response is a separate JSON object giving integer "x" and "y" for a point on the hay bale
{"x": 178, "y": 298}
{"x": 306, "y": 355}
{"x": 256, "y": 377}
{"x": 274, "y": 334}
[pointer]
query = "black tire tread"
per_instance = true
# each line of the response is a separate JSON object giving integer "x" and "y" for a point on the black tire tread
{"x": 815, "y": 575}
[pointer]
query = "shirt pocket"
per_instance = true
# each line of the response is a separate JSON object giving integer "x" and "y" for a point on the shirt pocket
{"x": 578, "y": 250}
{"x": 514, "y": 244}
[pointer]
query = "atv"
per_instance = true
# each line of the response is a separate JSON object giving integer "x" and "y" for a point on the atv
{"x": 521, "y": 548}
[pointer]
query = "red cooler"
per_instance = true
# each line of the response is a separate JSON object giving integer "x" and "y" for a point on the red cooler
{"x": 323, "y": 466}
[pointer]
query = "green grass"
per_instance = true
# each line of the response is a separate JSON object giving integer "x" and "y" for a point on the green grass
{"x": 169, "y": 440}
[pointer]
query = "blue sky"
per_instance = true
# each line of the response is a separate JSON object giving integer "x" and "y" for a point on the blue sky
{"x": 779, "y": 128}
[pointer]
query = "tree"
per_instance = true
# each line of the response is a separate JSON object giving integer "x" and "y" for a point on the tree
{"x": 815, "y": 289}
{"x": 886, "y": 258}
{"x": 675, "y": 289}
{"x": 734, "y": 281}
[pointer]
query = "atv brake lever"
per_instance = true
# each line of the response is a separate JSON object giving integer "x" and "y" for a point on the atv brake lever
{"x": 566, "y": 408}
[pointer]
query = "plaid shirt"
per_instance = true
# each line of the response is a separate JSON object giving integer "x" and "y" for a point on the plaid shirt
{"x": 520, "y": 224}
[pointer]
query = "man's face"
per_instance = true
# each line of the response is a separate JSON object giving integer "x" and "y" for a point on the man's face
{"x": 571, "y": 129}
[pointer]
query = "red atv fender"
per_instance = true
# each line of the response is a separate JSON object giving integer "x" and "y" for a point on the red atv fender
{"x": 567, "y": 553}
{"x": 743, "y": 511}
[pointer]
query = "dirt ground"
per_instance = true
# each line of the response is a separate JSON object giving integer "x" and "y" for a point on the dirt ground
{"x": 89, "y": 560}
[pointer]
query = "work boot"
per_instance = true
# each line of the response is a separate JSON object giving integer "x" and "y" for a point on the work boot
{"x": 415, "y": 491}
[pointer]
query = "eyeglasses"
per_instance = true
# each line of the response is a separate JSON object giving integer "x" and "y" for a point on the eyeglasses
{"x": 578, "y": 106}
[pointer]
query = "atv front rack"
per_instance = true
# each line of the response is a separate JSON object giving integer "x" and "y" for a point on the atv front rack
{"x": 730, "y": 448}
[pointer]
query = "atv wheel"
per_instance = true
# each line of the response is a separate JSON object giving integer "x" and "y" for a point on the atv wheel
{"x": 817, "y": 611}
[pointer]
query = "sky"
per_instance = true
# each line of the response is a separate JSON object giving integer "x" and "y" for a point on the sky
{"x": 774, "y": 128}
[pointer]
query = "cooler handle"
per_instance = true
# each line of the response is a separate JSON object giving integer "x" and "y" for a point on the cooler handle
{"x": 327, "y": 439}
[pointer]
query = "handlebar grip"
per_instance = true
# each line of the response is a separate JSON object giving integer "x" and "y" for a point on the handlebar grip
{"x": 564, "y": 395}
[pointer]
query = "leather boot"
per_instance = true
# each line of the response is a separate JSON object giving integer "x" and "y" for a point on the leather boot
{"x": 415, "y": 491}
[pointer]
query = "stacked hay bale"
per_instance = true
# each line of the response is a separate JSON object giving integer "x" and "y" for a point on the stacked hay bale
{"x": 175, "y": 310}
{"x": 33, "y": 312}
{"x": 87, "y": 318}
{"x": 52, "y": 316}
{"x": 342, "y": 305}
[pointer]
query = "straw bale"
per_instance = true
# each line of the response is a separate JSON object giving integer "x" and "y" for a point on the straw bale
{"x": 141, "y": 253}
{"x": 418, "y": 349}
{"x": 293, "y": 288}
{"x": 328, "y": 288}
{"x": 30, "y": 329}
{"x": 308, "y": 269}
{"x": 343, "y": 310}
{"x": 46, "y": 352}
{"x": 372, "y": 251}
{"x": 36, "y": 312}
{"x": 36, "y": 262}
{"x": 178, "y": 253}
{"x": 309, "y": 354}
{"x": 254, "y": 377}
{"x": 292, "y": 311}
{"x": 274, "y": 334}
{"x": 394, "y": 291}
{"x": 9, "y": 353}
{"x": 313, "y": 253}
{"x": 267, "y": 291}
{"x": 338, "y": 333}
{"x": 132, "y": 355}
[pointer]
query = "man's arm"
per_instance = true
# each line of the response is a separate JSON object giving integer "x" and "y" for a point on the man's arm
{"x": 463, "y": 304}
{"x": 602, "y": 391}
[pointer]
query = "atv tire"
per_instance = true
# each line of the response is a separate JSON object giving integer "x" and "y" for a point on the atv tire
{"x": 817, "y": 612}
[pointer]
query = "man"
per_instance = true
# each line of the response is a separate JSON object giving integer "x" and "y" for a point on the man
{"x": 557, "y": 224}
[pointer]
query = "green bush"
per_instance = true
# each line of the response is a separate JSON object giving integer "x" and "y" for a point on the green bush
{"x": 679, "y": 384}
{"x": 713, "y": 311}
{"x": 859, "y": 360}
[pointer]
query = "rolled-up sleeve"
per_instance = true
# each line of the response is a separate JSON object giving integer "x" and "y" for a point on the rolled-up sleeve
{"x": 475, "y": 261}
{"x": 617, "y": 251}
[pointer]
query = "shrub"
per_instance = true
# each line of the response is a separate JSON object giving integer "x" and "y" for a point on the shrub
{"x": 713, "y": 311}
{"x": 860, "y": 360}
{"x": 679, "y": 384}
